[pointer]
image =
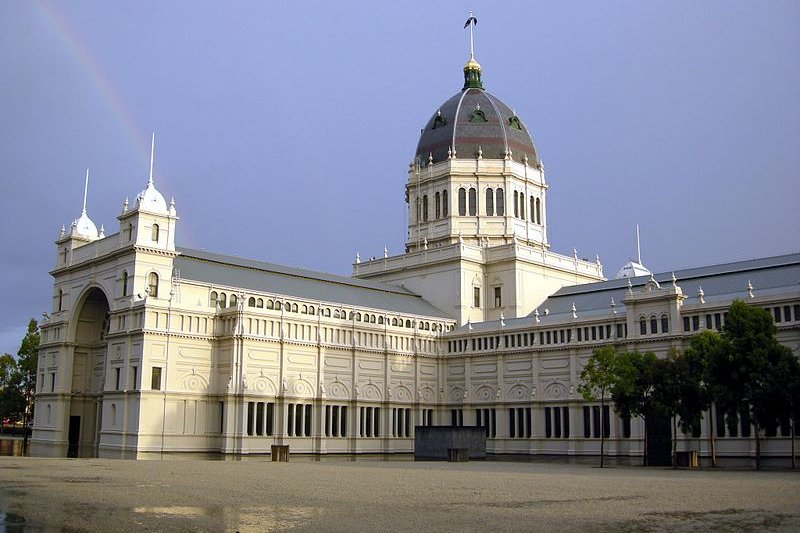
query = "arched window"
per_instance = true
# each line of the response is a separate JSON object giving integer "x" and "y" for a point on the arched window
{"x": 213, "y": 299}
{"x": 233, "y": 301}
{"x": 538, "y": 211}
{"x": 532, "y": 212}
{"x": 516, "y": 204}
{"x": 270, "y": 304}
{"x": 251, "y": 302}
{"x": 437, "y": 205}
{"x": 425, "y": 208}
{"x": 294, "y": 308}
{"x": 327, "y": 312}
{"x": 394, "y": 321}
{"x": 129, "y": 231}
{"x": 462, "y": 202}
{"x": 278, "y": 306}
{"x": 473, "y": 200}
{"x": 305, "y": 309}
{"x": 336, "y": 313}
{"x": 311, "y": 310}
{"x": 223, "y": 300}
{"x": 653, "y": 325}
{"x": 643, "y": 326}
{"x": 260, "y": 303}
{"x": 380, "y": 320}
{"x": 372, "y": 319}
{"x": 522, "y": 205}
{"x": 408, "y": 323}
{"x": 155, "y": 232}
{"x": 445, "y": 205}
{"x": 664, "y": 324}
{"x": 152, "y": 284}
{"x": 124, "y": 283}
{"x": 60, "y": 299}
{"x": 500, "y": 203}
{"x": 489, "y": 202}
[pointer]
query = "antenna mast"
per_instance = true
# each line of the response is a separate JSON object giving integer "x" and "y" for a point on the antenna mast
{"x": 152, "y": 149}
{"x": 85, "y": 191}
{"x": 638, "y": 247}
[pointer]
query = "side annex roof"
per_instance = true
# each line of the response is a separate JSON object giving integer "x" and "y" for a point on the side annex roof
{"x": 235, "y": 272}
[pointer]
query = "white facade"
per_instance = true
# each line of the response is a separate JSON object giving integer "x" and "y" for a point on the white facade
{"x": 155, "y": 348}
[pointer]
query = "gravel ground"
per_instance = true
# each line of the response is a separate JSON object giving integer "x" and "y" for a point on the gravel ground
{"x": 39, "y": 494}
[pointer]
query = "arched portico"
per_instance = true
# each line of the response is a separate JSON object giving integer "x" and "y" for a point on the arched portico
{"x": 87, "y": 374}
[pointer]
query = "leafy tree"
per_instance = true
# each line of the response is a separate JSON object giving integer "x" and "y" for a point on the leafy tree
{"x": 709, "y": 349}
{"x": 748, "y": 370}
{"x": 633, "y": 397}
{"x": 18, "y": 377}
{"x": 605, "y": 373}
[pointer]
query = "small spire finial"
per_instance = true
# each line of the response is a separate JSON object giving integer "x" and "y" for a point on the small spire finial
{"x": 152, "y": 149}
{"x": 471, "y": 22}
{"x": 638, "y": 247}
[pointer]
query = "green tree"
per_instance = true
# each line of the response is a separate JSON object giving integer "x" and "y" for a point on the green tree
{"x": 18, "y": 377}
{"x": 709, "y": 349}
{"x": 633, "y": 397}
{"x": 749, "y": 369}
{"x": 605, "y": 373}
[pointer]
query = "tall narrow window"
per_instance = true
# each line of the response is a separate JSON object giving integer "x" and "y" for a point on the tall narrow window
{"x": 665, "y": 324}
{"x": 538, "y": 211}
{"x": 233, "y": 301}
{"x": 437, "y": 205}
{"x": 642, "y": 326}
{"x": 445, "y": 204}
{"x": 498, "y": 297}
{"x": 516, "y": 204}
{"x": 522, "y": 206}
{"x": 60, "y": 299}
{"x": 212, "y": 301}
{"x": 532, "y": 213}
{"x": 124, "y": 283}
{"x": 155, "y": 232}
{"x": 129, "y": 231}
{"x": 155, "y": 378}
{"x": 500, "y": 203}
{"x": 425, "y": 208}
{"x": 476, "y": 296}
{"x": 489, "y": 202}
{"x": 473, "y": 200}
{"x": 152, "y": 284}
{"x": 223, "y": 300}
{"x": 462, "y": 202}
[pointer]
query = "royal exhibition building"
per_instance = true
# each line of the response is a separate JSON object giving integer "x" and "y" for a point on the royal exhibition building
{"x": 154, "y": 348}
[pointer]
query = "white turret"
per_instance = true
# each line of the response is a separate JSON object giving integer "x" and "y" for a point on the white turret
{"x": 83, "y": 227}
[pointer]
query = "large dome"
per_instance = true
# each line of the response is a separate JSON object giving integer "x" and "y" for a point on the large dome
{"x": 474, "y": 120}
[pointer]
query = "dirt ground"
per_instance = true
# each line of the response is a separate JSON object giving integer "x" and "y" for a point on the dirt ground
{"x": 74, "y": 495}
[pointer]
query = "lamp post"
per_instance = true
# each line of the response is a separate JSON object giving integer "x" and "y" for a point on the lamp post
{"x": 26, "y": 412}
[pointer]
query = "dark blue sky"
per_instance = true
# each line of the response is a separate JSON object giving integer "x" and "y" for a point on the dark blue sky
{"x": 284, "y": 130}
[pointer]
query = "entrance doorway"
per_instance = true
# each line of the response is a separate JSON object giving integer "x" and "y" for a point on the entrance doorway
{"x": 88, "y": 374}
{"x": 659, "y": 441}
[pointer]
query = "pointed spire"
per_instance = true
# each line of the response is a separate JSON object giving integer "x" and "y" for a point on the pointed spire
{"x": 638, "y": 247}
{"x": 85, "y": 192}
{"x": 152, "y": 150}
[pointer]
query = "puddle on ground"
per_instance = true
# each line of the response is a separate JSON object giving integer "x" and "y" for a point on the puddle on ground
{"x": 244, "y": 520}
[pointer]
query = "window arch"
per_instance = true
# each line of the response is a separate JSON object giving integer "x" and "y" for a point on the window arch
{"x": 522, "y": 205}
{"x": 311, "y": 310}
{"x": 223, "y": 300}
{"x": 129, "y": 231}
{"x": 408, "y": 323}
{"x": 445, "y": 205}
{"x": 462, "y": 202}
{"x": 437, "y": 205}
{"x": 532, "y": 211}
{"x": 424, "y": 207}
{"x": 394, "y": 321}
{"x": 294, "y": 308}
{"x": 270, "y": 304}
{"x": 251, "y": 302}
{"x": 213, "y": 299}
{"x": 642, "y": 326}
{"x": 278, "y": 305}
{"x": 516, "y": 204}
{"x": 653, "y": 324}
{"x": 473, "y": 200}
{"x": 124, "y": 282}
{"x": 500, "y": 203}
{"x": 260, "y": 303}
{"x": 60, "y": 299}
{"x": 380, "y": 320}
{"x": 152, "y": 284}
{"x": 664, "y": 324}
{"x": 489, "y": 202}
{"x": 538, "y": 211}
{"x": 155, "y": 232}
{"x": 233, "y": 301}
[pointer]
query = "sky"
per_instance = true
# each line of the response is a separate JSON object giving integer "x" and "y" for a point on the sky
{"x": 284, "y": 129}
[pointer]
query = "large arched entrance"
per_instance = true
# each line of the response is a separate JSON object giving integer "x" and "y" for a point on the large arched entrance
{"x": 88, "y": 374}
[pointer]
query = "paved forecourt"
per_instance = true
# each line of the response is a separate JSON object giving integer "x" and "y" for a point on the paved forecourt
{"x": 250, "y": 496}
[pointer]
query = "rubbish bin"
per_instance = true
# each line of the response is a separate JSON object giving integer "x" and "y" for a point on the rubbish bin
{"x": 280, "y": 453}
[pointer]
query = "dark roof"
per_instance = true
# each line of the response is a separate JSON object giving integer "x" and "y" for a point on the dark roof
{"x": 720, "y": 283}
{"x": 217, "y": 269}
{"x": 459, "y": 122}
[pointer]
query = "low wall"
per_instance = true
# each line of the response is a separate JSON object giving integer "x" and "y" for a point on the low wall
{"x": 432, "y": 442}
